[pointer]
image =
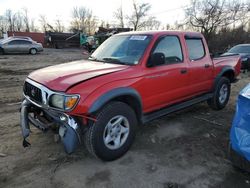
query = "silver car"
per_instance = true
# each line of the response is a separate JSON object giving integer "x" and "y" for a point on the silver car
{"x": 19, "y": 45}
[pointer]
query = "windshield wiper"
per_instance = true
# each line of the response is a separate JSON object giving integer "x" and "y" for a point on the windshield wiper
{"x": 91, "y": 58}
{"x": 113, "y": 60}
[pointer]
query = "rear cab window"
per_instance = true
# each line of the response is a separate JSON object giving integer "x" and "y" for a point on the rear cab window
{"x": 196, "y": 48}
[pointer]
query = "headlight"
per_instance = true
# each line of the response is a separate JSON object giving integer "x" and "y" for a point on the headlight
{"x": 246, "y": 91}
{"x": 63, "y": 102}
{"x": 70, "y": 102}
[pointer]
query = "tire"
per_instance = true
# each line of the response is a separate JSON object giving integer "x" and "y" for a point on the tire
{"x": 116, "y": 123}
{"x": 33, "y": 51}
{"x": 221, "y": 94}
{"x": 1, "y": 51}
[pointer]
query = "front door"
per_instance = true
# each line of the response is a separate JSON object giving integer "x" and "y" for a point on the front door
{"x": 165, "y": 84}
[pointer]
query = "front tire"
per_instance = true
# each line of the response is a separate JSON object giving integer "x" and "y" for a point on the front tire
{"x": 221, "y": 94}
{"x": 113, "y": 133}
{"x": 33, "y": 51}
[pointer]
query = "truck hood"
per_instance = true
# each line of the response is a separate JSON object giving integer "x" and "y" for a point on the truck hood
{"x": 61, "y": 77}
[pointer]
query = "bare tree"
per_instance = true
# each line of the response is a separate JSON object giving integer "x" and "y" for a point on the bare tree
{"x": 3, "y": 24}
{"x": 102, "y": 23}
{"x": 50, "y": 27}
{"x": 118, "y": 14}
{"x": 19, "y": 21}
{"x": 151, "y": 24}
{"x": 209, "y": 15}
{"x": 91, "y": 24}
{"x": 83, "y": 20}
{"x": 33, "y": 26}
{"x": 44, "y": 22}
{"x": 140, "y": 11}
{"x": 26, "y": 19}
{"x": 107, "y": 25}
{"x": 59, "y": 26}
{"x": 9, "y": 19}
{"x": 79, "y": 19}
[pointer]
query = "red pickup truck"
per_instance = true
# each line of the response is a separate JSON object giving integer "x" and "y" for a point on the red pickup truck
{"x": 131, "y": 79}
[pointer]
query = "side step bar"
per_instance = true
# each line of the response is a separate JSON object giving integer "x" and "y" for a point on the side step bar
{"x": 173, "y": 108}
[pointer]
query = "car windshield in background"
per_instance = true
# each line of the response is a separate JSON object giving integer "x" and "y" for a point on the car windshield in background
{"x": 122, "y": 49}
{"x": 240, "y": 49}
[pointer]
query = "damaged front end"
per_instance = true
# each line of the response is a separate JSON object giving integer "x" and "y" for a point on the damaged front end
{"x": 36, "y": 109}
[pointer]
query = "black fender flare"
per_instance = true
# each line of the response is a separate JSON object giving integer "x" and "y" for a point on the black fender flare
{"x": 223, "y": 71}
{"x": 116, "y": 93}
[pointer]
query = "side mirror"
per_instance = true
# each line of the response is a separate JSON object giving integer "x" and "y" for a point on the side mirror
{"x": 156, "y": 59}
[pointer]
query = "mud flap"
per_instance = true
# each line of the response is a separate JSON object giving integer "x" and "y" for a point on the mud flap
{"x": 240, "y": 131}
{"x": 25, "y": 122}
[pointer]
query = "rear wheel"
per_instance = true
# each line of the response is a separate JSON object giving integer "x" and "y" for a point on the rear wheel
{"x": 113, "y": 133}
{"x": 221, "y": 94}
{"x": 33, "y": 51}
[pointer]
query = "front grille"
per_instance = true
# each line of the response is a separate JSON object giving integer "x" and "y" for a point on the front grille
{"x": 33, "y": 92}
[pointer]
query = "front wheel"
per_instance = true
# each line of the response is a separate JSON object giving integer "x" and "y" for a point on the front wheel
{"x": 33, "y": 51}
{"x": 221, "y": 94}
{"x": 113, "y": 133}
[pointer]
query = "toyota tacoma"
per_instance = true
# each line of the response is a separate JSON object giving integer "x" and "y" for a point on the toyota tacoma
{"x": 131, "y": 79}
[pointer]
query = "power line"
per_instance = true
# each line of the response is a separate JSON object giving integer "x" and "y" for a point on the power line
{"x": 168, "y": 10}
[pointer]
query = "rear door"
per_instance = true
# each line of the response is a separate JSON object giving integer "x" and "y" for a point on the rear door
{"x": 165, "y": 84}
{"x": 11, "y": 46}
{"x": 200, "y": 66}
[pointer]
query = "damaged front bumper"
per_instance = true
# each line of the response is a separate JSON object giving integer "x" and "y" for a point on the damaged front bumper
{"x": 67, "y": 126}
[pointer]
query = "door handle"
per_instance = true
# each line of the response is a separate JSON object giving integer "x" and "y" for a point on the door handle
{"x": 207, "y": 65}
{"x": 183, "y": 71}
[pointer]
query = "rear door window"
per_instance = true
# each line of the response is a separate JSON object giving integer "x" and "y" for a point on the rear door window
{"x": 195, "y": 48}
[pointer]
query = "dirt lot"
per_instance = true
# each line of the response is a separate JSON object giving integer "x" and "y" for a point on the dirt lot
{"x": 185, "y": 149}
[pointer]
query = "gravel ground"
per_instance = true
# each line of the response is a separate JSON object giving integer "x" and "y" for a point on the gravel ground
{"x": 184, "y": 149}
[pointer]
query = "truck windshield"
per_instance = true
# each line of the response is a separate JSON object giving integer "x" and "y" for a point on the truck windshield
{"x": 122, "y": 49}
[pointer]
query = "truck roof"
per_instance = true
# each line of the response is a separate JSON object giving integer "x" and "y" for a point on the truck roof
{"x": 162, "y": 32}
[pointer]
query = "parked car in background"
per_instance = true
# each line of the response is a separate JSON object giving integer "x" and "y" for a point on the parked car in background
{"x": 244, "y": 51}
{"x": 16, "y": 37}
{"x": 21, "y": 37}
{"x": 20, "y": 45}
{"x": 239, "y": 146}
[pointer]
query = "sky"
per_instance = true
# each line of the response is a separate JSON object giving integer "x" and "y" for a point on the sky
{"x": 166, "y": 11}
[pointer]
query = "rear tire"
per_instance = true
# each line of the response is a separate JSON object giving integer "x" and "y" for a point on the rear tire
{"x": 113, "y": 133}
{"x": 33, "y": 51}
{"x": 221, "y": 94}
